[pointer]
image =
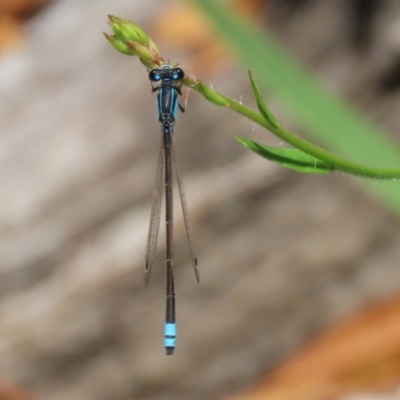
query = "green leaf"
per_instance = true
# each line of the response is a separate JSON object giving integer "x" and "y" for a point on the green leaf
{"x": 264, "y": 110}
{"x": 288, "y": 157}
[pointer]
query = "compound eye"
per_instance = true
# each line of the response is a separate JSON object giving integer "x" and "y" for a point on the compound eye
{"x": 154, "y": 75}
{"x": 178, "y": 74}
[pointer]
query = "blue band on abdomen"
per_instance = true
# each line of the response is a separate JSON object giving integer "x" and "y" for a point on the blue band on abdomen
{"x": 170, "y": 334}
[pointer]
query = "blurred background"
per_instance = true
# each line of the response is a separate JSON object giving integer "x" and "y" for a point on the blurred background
{"x": 299, "y": 294}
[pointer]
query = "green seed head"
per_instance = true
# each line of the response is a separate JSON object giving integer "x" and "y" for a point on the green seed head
{"x": 130, "y": 39}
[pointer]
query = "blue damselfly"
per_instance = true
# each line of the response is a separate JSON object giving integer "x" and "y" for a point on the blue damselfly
{"x": 168, "y": 86}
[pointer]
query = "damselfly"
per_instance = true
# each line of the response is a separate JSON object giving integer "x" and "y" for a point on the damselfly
{"x": 168, "y": 88}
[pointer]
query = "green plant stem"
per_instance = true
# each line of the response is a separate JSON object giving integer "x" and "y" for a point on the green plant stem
{"x": 333, "y": 160}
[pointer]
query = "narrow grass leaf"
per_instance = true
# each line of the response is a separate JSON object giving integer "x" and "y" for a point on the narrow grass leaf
{"x": 264, "y": 110}
{"x": 288, "y": 157}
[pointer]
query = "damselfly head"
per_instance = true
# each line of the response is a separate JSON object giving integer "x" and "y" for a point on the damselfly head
{"x": 166, "y": 72}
